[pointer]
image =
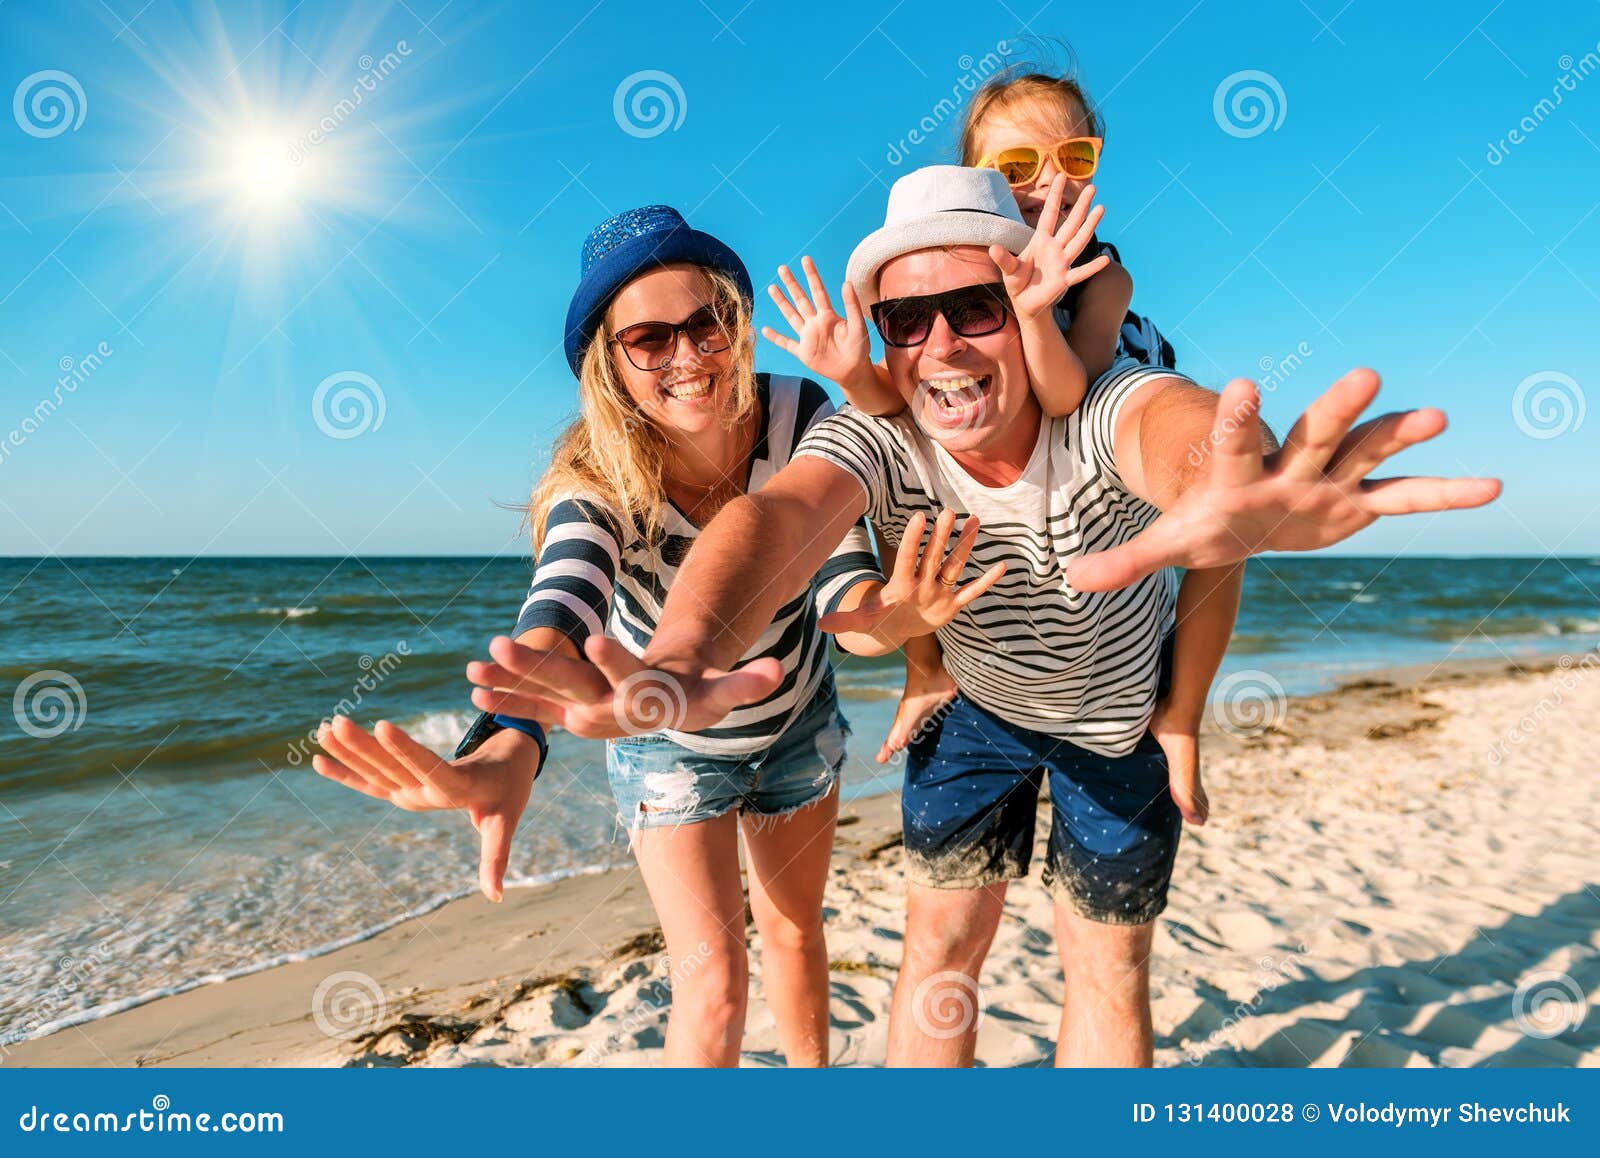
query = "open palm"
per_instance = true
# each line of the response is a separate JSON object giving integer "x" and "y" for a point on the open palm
{"x": 922, "y": 594}
{"x": 830, "y": 346}
{"x": 611, "y": 692}
{"x": 1036, "y": 278}
{"x": 1313, "y": 493}
{"x": 387, "y": 764}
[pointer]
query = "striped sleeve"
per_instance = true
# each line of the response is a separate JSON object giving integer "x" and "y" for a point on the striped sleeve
{"x": 1096, "y": 419}
{"x": 577, "y": 572}
{"x": 855, "y": 443}
{"x": 852, "y": 561}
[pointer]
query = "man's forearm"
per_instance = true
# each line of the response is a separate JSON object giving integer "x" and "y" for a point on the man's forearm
{"x": 1175, "y": 440}
{"x": 758, "y": 553}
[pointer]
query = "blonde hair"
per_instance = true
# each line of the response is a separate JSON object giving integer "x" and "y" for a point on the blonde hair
{"x": 614, "y": 451}
{"x": 1024, "y": 86}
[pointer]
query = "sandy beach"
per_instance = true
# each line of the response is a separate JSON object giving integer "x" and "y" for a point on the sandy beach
{"x": 1404, "y": 872}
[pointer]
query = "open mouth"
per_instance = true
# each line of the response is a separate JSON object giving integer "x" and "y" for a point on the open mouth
{"x": 696, "y": 389}
{"x": 956, "y": 403}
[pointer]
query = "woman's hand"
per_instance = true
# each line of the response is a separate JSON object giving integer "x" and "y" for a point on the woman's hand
{"x": 1036, "y": 278}
{"x": 923, "y": 593}
{"x": 830, "y": 346}
{"x": 491, "y": 785}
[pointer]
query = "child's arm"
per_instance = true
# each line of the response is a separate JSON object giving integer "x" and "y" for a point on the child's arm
{"x": 830, "y": 346}
{"x": 1208, "y": 604}
{"x": 1035, "y": 279}
{"x": 1058, "y": 376}
{"x": 1097, "y": 322}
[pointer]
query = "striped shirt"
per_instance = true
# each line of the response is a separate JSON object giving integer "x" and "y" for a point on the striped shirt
{"x": 1032, "y": 650}
{"x": 595, "y": 576}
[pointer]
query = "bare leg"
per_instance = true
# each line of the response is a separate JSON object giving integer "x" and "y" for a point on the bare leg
{"x": 788, "y": 860}
{"x": 692, "y": 872}
{"x": 1105, "y": 1020}
{"x": 934, "y": 1021}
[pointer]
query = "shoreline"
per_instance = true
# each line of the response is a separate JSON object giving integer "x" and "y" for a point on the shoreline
{"x": 423, "y": 988}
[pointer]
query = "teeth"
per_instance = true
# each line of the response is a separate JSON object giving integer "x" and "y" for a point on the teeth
{"x": 693, "y": 388}
{"x": 948, "y": 385}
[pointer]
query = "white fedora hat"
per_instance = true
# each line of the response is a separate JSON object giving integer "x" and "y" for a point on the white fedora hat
{"x": 939, "y": 205}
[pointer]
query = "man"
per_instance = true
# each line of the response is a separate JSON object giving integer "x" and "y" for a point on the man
{"x": 1058, "y": 661}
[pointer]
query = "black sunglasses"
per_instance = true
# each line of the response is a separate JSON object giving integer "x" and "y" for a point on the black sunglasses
{"x": 971, "y": 311}
{"x": 652, "y": 345}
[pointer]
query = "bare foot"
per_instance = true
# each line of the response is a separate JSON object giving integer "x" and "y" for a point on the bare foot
{"x": 917, "y": 706}
{"x": 1182, "y": 746}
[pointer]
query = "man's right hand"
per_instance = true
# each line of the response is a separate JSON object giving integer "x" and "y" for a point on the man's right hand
{"x": 611, "y": 692}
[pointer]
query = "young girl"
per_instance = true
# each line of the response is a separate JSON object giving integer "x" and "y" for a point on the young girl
{"x": 1071, "y": 296}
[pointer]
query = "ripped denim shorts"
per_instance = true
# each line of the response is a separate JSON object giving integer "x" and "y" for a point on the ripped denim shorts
{"x": 658, "y": 782}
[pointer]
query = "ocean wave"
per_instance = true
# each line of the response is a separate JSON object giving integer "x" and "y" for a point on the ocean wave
{"x": 101, "y": 1012}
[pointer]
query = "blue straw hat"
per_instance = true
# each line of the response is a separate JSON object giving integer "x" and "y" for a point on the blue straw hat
{"x": 622, "y": 247}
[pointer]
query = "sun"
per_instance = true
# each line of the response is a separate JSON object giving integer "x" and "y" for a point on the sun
{"x": 266, "y": 173}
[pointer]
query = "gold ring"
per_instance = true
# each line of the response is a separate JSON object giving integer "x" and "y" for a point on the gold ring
{"x": 947, "y": 582}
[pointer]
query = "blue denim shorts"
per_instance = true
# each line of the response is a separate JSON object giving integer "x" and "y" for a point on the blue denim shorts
{"x": 658, "y": 782}
{"x": 972, "y": 792}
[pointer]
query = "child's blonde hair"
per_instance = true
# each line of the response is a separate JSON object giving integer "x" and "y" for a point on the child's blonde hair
{"x": 1025, "y": 86}
{"x": 614, "y": 451}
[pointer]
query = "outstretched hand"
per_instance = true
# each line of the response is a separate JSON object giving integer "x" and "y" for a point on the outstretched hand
{"x": 830, "y": 346}
{"x": 923, "y": 593}
{"x": 1311, "y": 494}
{"x": 388, "y": 764}
{"x": 1036, "y": 278}
{"x": 611, "y": 692}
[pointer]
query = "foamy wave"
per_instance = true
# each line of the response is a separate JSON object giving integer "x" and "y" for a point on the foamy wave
{"x": 287, "y": 612}
{"x": 101, "y": 1012}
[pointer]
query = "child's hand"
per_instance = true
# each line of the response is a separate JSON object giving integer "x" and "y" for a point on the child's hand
{"x": 1038, "y": 276}
{"x": 1181, "y": 742}
{"x": 925, "y": 693}
{"x": 920, "y": 597}
{"x": 830, "y": 346}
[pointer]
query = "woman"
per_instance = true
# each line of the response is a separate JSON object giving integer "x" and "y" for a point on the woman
{"x": 674, "y": 423}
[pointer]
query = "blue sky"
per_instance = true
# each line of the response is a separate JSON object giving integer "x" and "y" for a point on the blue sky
{"x": 423, "y": 247}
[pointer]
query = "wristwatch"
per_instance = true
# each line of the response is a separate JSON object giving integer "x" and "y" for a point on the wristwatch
{"x": 487, "y": 724}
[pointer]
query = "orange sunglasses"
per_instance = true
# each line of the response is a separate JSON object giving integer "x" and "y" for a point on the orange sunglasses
{"x": 1077, "y": 157}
